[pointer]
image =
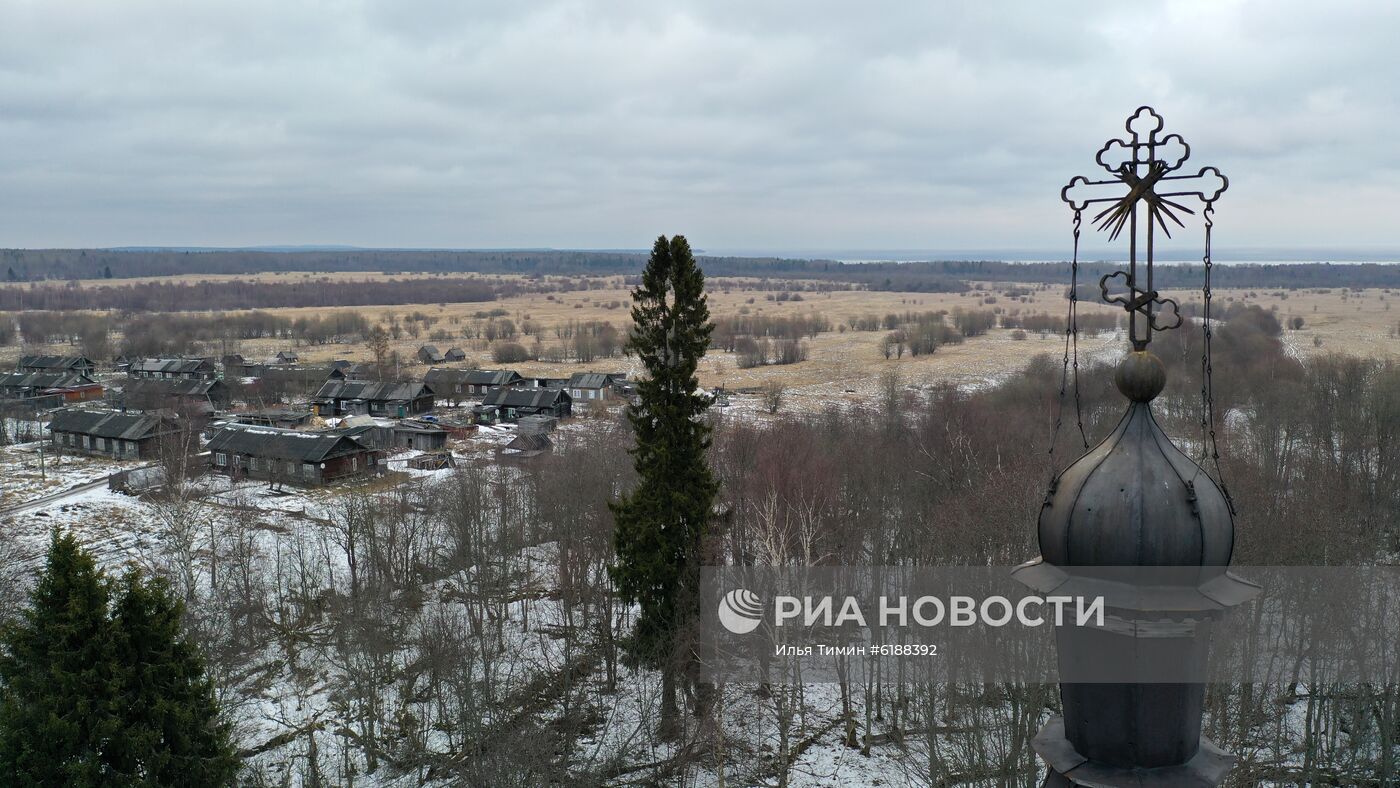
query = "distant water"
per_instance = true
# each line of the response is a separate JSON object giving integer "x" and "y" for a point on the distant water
{"x": 1218, "y": 260}
{"x": 1225, "y": 256}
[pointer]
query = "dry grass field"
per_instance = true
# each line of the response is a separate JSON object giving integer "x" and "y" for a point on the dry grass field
{"x": 265, "y": 276}
{"x": 843, "y": 364}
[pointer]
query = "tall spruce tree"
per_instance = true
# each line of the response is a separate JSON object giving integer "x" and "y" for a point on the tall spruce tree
{"x": 96, "y": 691}
{"x": 661, "y": 524}
{"x": 171, "y": 733}
{"x": 58, "y": 677}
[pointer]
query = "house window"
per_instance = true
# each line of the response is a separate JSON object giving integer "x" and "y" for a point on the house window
{"x": 221, "y": 459}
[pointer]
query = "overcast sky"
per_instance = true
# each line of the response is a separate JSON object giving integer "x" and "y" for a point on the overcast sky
{"x": 745, "y": 125}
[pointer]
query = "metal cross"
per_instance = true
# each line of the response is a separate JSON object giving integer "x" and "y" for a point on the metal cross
{"x": 1142, "y": 168}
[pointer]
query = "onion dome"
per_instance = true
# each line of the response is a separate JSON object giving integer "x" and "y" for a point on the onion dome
{"x": 1135, "y": 499}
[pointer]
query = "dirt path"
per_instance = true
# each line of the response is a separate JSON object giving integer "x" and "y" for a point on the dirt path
{"x": 52, "y": 498}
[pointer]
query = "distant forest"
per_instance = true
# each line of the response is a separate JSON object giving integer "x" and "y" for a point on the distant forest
{"x": 240, "y": 294}
{"x": 19, "y": 265}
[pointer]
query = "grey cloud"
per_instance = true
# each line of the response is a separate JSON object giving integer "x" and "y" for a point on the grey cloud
{"x": 754, "y": 125}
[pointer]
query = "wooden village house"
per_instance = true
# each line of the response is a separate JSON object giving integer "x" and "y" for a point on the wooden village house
{"x": 235, "y": 366}
{"x": 395, "y": 433}
{"x": 81, "y": 364}
{"x": 174, "y": 369}
{"x": 545, "y": 382}
{"x": 284, "y": 418}
{"x": 481, "y": 382}
{"x": 56, "y": 388}
{"x": 352, "y": 397}
{"x": 458, "y": 384}
{"x": 306, "y": 459}
{"x": 591, "y": 386}
{"x": 509, "y": 404}
{"x": 429, "y": 354}
{"x": 113, "y": 434}
{"x": 289, "y": 378}
{"x": 345, "y": 370}
{"x": 188, "y": 394}
{"x": 448, "y": 384}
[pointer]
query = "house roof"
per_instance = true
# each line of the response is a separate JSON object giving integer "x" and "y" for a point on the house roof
{"x": 172, "y": 365}
{"x": 534, "y": 442}
{"x": 590, "y": 380}
{"x": 447, "y": 376}
{"x": 516, "y": 397}
{"x": 171, "y": 388}
{"x": 431, "y": 352}
{"x": 456, "y": 352}
{"x": 344, "y": 370}
{"x": 45, "y": 380}
{"x": 492, "y": 377}
{"x": 421, "y": 427}
{"x": 273, "y": 443}
{"x": 372, "y": 390}
{"x": 108, "y": 424}
{"x": 291, "y": 373}
{"x": 54, "y": 362}
{"x": 274, "y": 414}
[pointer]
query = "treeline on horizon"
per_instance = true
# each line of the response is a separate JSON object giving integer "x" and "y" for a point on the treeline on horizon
{"x": 31, "y": 265}
{"x": 241, "y": 294}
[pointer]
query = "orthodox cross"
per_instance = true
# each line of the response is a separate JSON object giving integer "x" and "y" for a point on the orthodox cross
{"x": 1142, "y": 167}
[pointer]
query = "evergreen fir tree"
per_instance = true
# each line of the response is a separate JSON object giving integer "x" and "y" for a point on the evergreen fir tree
{"x": 660, "y": 525}
{"x": 101, "y": 692}
{"x": 170, "y": 728}
{"x": 58, "y": 677}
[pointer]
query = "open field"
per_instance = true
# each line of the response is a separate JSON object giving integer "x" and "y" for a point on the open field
{"x": 842, "y": 363}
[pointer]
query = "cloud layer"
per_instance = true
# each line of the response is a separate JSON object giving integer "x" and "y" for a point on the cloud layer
{"x": 775, "y": 125}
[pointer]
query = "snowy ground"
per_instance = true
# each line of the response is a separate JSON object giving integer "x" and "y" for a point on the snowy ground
{"x": 284, "y": 690}
{"x": 31, "y": 470}
{"x": 291, "y": 692}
